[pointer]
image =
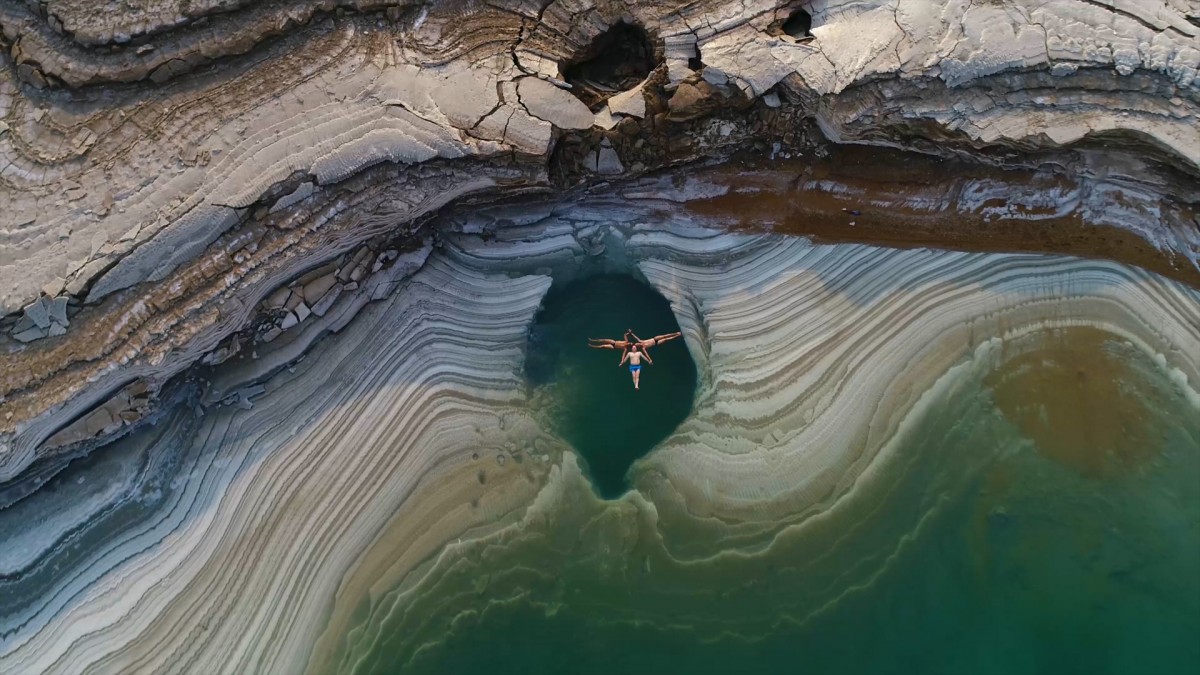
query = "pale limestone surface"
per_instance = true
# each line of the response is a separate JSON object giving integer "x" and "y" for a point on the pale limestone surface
{"x": 109, "y": 190}
{"x": 553, "y": 104}
{"x": 361, "y": 104}
{"x": 172, "y": 176}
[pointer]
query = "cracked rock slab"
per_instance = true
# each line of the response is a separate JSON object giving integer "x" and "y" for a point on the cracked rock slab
{"x": 553, "y": 104}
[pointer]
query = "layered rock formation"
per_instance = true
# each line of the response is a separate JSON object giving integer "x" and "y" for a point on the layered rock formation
{"x": 199, "y": 194}
{"x": 253, "y": 143}
{"x": 232, "y": 537}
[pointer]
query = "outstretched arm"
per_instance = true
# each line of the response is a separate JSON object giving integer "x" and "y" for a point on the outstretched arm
{"x": 624, "y": 358}
{"x": 647, "y": 356}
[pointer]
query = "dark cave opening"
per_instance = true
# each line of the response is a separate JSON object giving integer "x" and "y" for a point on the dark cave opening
{"x": 617, "y": 60}
{"x": 590, "y": 401}
{"x": 798, "y": 24}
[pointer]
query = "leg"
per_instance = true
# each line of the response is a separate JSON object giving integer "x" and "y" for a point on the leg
{"x": 636, "y": 377}
{"x": 659, "y": 339}
{"x": 605, "y": 343}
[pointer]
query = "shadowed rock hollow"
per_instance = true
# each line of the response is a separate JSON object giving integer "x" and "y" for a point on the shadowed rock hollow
{"x": 616, "y": 61}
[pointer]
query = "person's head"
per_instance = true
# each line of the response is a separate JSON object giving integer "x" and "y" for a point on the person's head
{"x": 635, "y": 347}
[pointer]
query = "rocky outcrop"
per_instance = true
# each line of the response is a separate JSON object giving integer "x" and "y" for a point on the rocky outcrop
{"x": 198, "y": 193}
{"x": 160, "y": 212}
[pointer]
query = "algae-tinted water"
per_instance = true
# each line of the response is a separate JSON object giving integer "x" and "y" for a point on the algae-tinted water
{"x": 989, "y": 542}
{"x": 589, "y": 398}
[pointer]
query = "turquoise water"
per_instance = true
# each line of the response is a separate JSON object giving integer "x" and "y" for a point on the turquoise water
{"x": 589, "y": 399}
{"x": 1004, "y": 536}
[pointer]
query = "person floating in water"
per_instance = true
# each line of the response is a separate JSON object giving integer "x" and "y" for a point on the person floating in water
{"x": 635, "y": 355}
{"x": 633, "y": 349}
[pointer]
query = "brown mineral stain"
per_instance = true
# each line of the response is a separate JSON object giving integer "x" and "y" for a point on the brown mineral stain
{"x": 904, "y": 200}
{"x": 1074, "y": 397}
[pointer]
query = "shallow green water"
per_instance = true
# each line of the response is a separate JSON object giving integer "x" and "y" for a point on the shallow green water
{"x": 991, "y": 541}
{"x": 589, "y": 399}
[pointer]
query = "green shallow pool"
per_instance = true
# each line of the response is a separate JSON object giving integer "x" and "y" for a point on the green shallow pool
{"x": 993, "y": 541}
{"x": 587, "y": 396}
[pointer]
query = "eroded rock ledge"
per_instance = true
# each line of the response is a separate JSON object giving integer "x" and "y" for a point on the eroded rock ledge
{"x": 167, "y": 171}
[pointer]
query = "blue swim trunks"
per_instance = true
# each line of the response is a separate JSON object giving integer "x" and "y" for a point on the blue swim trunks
{"x": 634, "y": 368}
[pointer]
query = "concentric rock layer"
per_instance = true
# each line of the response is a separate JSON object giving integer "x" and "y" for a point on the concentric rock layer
{"x": 250, "y": 531}
{"x": 266, "y": 271}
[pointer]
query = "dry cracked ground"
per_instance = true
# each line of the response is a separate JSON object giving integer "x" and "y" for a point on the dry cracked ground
{"x": 206, "y": 201}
